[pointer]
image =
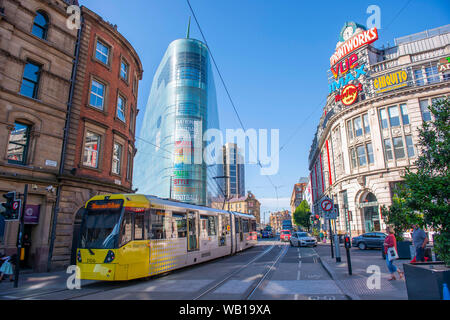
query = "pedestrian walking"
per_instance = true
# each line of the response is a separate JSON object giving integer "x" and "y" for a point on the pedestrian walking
{"x": 7, "y": 267}
{"x": 420, "y": 240}
{"x": 391, "y": 242}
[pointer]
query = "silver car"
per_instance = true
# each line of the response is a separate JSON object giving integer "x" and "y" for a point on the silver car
{"x": 299, "y": 239}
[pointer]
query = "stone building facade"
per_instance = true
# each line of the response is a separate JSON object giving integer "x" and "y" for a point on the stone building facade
{"x": 101, "y": 140}
{"x": 368, "y": 133}
{"x": 36, "y": 60}
{"x": 69, "y": 102}
{"x": 277, "y": 218}
{"x": 248, "y": 204}
{"x": 298, "y": 194}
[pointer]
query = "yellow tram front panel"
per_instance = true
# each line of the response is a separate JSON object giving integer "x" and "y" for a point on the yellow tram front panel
{"x": 130, "y": 261}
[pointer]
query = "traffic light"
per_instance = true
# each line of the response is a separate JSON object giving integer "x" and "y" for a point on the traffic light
{"x": 347, "y": 242}
{"x": 11, "y": 206}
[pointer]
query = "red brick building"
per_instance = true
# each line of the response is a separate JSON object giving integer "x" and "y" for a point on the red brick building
{"x": 100, "y": 148}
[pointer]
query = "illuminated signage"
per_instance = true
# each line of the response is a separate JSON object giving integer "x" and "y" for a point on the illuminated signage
{"x": 106, "y": 205}
{"x": 349, "y": 94}
{"x": 357, "y": 41}
{"x": 390, "y": 81}
{"x": 444, "y": 65}
{"x": 342, "y": 82}
{"x": 345, "y": 66}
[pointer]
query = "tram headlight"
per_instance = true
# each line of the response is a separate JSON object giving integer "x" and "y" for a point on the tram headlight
{"x": 110, "y": 256}
{"x": 79, "y": 256}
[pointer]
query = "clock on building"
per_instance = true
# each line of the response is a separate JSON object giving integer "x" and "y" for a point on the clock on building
{"x": 348, "y": 30}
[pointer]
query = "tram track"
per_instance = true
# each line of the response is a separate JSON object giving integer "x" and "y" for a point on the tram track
{"x": 256, "y": 284}
{"x": 101, "y": 287}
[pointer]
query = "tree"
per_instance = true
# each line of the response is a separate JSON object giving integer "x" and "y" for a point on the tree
{"x": 399, "y": 215}
{"x": 302, "y": 215}
{"x": 429, "y": 185}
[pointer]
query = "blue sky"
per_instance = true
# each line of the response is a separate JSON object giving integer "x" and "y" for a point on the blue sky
{"x": 273, "y": 56}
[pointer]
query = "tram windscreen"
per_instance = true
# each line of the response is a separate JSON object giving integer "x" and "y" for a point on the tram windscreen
{"x": 100, "y": 227}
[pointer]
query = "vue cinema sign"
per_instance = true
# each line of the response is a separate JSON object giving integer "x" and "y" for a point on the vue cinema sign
{"x": 357, "y": 41}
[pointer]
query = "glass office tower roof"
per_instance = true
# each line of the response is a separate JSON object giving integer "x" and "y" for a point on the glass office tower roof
{"x": 181, "y": 107}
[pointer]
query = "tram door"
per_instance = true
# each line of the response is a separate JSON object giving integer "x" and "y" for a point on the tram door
{"x": 192, "y": 231}
{"x": 241, "y": 231}
{"x": 236, "y": 232}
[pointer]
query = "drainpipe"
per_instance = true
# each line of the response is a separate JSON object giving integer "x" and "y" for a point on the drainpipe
{"x": 64, "y": 146}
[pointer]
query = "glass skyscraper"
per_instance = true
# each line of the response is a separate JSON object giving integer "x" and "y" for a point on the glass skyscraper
{"x": 234, "y": 169}
{"x": 181, "y": 107}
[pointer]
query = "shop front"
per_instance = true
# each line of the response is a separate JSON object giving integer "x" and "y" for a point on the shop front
{"x": 369, "y": 209}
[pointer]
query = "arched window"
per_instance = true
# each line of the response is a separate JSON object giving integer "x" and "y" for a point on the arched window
{"x": 40, "y": 25}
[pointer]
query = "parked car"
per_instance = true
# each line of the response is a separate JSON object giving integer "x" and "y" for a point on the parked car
{"x": 266, "y": 234}
{"x": 285, "y": 235}
{"x": 369, "y": 240}
{"x": 302, "y": 239}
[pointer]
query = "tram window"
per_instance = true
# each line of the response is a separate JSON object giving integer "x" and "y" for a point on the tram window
{"x": 139, "y": 227}
{"x": 245, "y": 225}
{"x": 223, "y": 230}
{"x": 126, "y": 230}
{"x": 203, "y": 226}
{"x": 180, "y": 224}
{"x": 236, "y": 219}
{"x": 157, "y": 219}
{"x": 212, "y": 226}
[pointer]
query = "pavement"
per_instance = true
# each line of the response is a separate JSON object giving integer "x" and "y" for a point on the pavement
{"x": 369, "y": 279}
{"x": 36, "y": 284}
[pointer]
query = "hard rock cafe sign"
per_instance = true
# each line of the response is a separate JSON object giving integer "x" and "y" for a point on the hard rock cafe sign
{"x": 349, "y": 94}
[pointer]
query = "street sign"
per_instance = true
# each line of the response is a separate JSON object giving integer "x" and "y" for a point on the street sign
{"x": 326, "y": 204}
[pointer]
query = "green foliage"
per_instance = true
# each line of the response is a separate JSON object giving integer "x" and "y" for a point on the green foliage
{"x": 302, "y": 215}
{"x": 429, "y": 185}
{"x": 399, "y": 215}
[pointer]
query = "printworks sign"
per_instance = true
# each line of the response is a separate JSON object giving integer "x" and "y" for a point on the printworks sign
{"x": 355, "y": 42}
{"x": 390, "y": 81}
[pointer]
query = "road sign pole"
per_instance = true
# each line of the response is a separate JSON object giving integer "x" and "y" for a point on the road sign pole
{"x": 336, "y": 240}
{"x": 331, "y": 238}
{"x": 20, "y": 237}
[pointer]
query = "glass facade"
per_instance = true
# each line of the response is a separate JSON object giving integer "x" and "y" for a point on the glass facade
{"x": 182, "y": 106}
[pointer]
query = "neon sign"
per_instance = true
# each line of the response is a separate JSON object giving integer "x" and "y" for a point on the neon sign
{"x": 357, "y": 41}
{"x": 342, "y": 82}
{"x": 391, "y": 81}
{"x": 349, "y": 94}
{"x": 350, "y": 63}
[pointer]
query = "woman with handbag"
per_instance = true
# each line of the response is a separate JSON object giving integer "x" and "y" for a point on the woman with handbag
{"x": 390, "y": 250}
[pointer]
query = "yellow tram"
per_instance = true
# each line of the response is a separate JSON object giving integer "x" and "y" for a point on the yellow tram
{"x": 129, "y": 236}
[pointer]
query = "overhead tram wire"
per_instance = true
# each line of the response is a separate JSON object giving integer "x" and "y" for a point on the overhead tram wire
{"x": 303, "y": 123}
{"x": 398, "y": 13}
{"x": 223, "y": 83}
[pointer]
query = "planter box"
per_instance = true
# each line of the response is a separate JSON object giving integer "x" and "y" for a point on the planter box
{"x": 403, "y": 248}
{"x": 424, "y": 280}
